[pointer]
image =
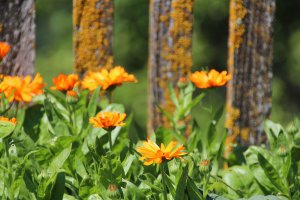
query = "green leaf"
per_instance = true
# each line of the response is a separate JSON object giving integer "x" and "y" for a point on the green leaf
{"x": 241, "y": 179}
{"x": 60, "y": 97}
{"x": 181, "y": 186}
{"x": 272, "y": 174}
{"x": 127, "y": 163}
{"x": 132, "y": 192}
{"x": 32, "y": 121}
{"x": 193, "y": 103}
{"x": 92, "y": 107}
{"x": 151, "y": 181}
{"x": 115, "y": 107}
{"x": 193, "y": 191}
{"x": 272, "y": 130}
{"x": 173, "y": 95}
{"x": 169, "y": 183}
{"x": 6, "y": 128}
{"x": 211, "y": 135}
{"x": 59, "y": 160}
{"x": 257, "y": 170}
{"x": 59, "y": 187}
{"x": 111, "y": 170}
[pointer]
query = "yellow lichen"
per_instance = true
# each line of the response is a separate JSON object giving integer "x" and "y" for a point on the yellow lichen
{"x": 237, "y": 12}
{"x": 93, "y": 21}
{"x": 232, "y": 115}
{"x": 176, "y": 47}
{"x": 245, "y": 134}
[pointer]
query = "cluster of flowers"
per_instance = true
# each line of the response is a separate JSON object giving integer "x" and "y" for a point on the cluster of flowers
{"x": 23, "y": 89}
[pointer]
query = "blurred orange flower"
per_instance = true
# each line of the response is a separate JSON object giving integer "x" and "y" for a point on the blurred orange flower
{"x": 65, "y": 82}
{"x": 20, "y": 89}
{"x": 12, "y": 120}
{"x": 213, "y": 78}
{"x": 106, "y": 79}
{"x": 107, "y": 120}
{"x": 72, "y": 93}
{"x": 4, "y": 49}
{"x": 151, "y": 152}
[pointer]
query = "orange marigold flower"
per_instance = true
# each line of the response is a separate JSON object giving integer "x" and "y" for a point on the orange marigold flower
{"x": 12, "y": 120}
{"x": 108, "y": 119}
{"x": 151, "y": 152}
{"x": 4, "y": 49}
{"x": 65, "y": 82}
{"x": 20, "y": 89}
{"x": 106, "y": 79}
{"x": 213, "y": 78}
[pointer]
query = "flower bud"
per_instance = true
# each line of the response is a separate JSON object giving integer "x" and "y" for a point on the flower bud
{"x": 113, "y": 191}
{"x": 282, "y": 151}
{"x": 173, "y": 168}
{"x": 292, "y": 129}
{"x": 205, "y": 166}
{"x": 72, "y": 97}
{"x": 182, "y": 82}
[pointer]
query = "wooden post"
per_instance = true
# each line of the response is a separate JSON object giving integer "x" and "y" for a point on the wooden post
{"x": 170, "y": 55}
{"x": 250, "y": 62}
{"x": 17, "y": 27}
{"x": 93, "y": 30}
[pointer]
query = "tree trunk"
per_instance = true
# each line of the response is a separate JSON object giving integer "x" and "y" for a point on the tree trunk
{"x": 17, "y": 27}
{"x": 250, "y": 62}
{"x": 93, "y": 30}
{"x": 170, "y": 55}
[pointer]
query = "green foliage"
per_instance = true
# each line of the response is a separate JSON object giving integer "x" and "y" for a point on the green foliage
{"x": 55, "y": 153}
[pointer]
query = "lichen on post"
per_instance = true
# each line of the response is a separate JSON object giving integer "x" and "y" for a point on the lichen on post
{"x": 170, "y": 56}
{"x": 93, "y": 29}
{"x": 17, "y": 27}
{"x": 250, "y": 62}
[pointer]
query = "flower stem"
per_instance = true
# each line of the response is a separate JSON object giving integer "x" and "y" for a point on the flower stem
{"x": 110, "y": 140}
{"x": 163, "y": 175}
{"x": 9, "y": 166}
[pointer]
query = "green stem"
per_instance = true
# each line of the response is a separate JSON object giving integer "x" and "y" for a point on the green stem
{"x": 9, "y": 166}
{"x": 110, "y": 149}
{"x": 110, "y": 140}
{"x": 163, "y": 175}
{"x": 204, "y": 180}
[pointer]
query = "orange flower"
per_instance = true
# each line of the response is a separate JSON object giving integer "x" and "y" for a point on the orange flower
{"x": 151, "y": 152}
{"x": 217, "y": 79}
{"x": 108, "y": 120}
{"x": 12, "y": 120}
{"x": 213, "y": 78}
{"x": 72, "y": 96}
{"x": 65, "y": 82}
{"x": 4, "y": 49}
{"x": 71, "y": 93}
{"x": 106, "y": 79}
{"x": 21, "y": 89}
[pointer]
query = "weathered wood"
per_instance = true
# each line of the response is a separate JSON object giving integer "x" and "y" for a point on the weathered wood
{"x": 250, "y": 62}
{"x": 17, "y": 27}
{"x": 93, "y": 30}
{"x": 170, "y": 55}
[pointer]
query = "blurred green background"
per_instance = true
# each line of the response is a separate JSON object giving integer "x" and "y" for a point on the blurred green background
{"x": 54, "y": 49}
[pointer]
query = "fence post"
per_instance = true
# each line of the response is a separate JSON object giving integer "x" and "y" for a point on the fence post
{"x": 17, "y": 27}
{"x": 93, "y": 30}
{"x": 170, "y": 55}
{"x": 250, "y": 62}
